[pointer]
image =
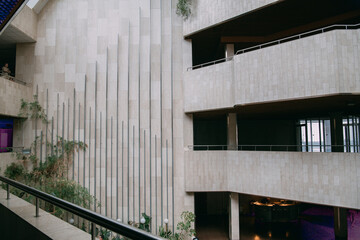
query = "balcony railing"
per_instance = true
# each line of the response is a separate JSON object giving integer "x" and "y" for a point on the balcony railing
{"x": 93, "y": 217}
{"x": 281, "y": 148}
{"x": 13, "y": 79}
{"x": 279, "y": 41}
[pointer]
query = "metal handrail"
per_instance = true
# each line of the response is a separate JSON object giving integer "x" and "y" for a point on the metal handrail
{"x": 13, "y": 149}
{"x": 275, "y": 42}
{"x": 13, "y": 79}
{"x": 93, "y": 217}
{"x": 261, "y": 147}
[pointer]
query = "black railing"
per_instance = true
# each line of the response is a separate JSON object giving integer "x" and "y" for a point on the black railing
{"x": 282, "y": 148}
{"x": 93, "y": 217}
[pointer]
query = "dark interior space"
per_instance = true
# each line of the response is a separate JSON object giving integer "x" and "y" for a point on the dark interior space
{"x": 276, "y": 21}
{"x": 257, "y": 132}
{"x": 212, "y": 217}
{"x": 8, "y": 55}
{"x": 313, "y": 222}
{"x": 210, "y": 131}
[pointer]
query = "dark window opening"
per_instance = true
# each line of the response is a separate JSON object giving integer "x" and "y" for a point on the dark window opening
{"x": 210, "y": 133}
{"x": 8, "y": 55}
{"x": 267, "y": 135}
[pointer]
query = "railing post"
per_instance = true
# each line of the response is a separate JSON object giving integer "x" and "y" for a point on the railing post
{"x": 37, "y": 207}
{"x": 7, "y": 192}
{"x": 93, "y": 231}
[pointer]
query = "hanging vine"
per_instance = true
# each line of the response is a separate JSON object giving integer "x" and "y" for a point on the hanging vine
{"x": 183, "y": 9}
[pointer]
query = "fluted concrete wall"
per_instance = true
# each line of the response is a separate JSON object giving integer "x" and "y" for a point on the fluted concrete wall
{"x": 137, "y": 46}
{"x": 321, "y": 178}
{"x": 314, "y": 66}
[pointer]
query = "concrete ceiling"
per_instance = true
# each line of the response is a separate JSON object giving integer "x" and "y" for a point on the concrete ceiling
{"x": 12, "y": 35}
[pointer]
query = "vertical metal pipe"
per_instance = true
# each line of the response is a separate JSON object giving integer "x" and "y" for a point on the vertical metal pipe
{"x": 172, "y": 116}
{"x": 89, "y": 149}
{"x": 41, "y": 140}
{"x": 7, "y": 192}
{"x": 155, "y": 185}
{"x": 46, "y": 127}
{"x": 63, "y": 130}
{"x": 128, "y": 129}
{"x": 122, "y": 170}
{"x": 74, "y": 118}
{"x": 57, "y": 124}
{"x": 117, "y": 128}
{"x": 37, "y": 207}
{"x": 78, "y": 172}
{"x": 161, "y": 106}
{"x": 68, "y": 136}
{"x": 167, "y": 181}
{"x": 111, "y": 166}
{"x": 93, "y": 231}
{"x": 36, "y": 121}
{"x": 100, "y": 159}
{"x": 95, "y": 133}
{"x": 52, "y": 135}
{"x": 139, "y": 102}
{"x": 133, "y": 173}
{"x": 144, "y": 171}
{"x": 106, "y": 130}
{"x": 150, "y": 173}
{"x": 84, "y": 166}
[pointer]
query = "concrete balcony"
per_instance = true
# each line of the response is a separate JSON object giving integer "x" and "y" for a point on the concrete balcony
{"x": 11, "y": 93}
{"x": 320, "y": 65}
{"x": 322, "y": 178}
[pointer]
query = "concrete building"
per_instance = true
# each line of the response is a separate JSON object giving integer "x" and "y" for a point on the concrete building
{"x": 244, "y": 98}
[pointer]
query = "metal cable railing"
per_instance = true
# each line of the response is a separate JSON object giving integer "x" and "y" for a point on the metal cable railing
{"x": 95, "y": 218}
{"x": 284, "y": 148}
{"x": 279, "y": 41}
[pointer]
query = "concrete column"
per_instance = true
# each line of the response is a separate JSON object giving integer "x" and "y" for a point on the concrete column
{"x": 340, "y": 223}
{"x": 336, "y": 132}
{"x": 234, "y": 219}
{"x": 188, "y": 130}
{"x": 232, "y": 139}
{"x": 229, "y": 50}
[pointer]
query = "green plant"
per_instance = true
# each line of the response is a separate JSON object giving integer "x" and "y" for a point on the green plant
{"x": 105, "y": 234}
{"x": 32, "y": 110}
{"x": 183, "y": 8}
{"x": 165, "y": 233}
{"x": 145, "y": 226}
{"x": 50, "y": 175}
{"x": 185, "y": 226}
{"x": 14, "y": 171}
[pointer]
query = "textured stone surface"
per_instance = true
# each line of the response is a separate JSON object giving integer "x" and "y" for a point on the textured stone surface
{"x": 11, "y": 94}
{"x": 314, "y": 66}
{"x": 206, "y": 13}
{"x": 322, "y": 178}
{"x": 76, "y": 37}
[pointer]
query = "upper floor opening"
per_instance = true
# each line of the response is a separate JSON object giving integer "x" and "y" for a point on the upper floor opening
{"x": 277, "y": 21}
{"x": 327, "y": 124}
